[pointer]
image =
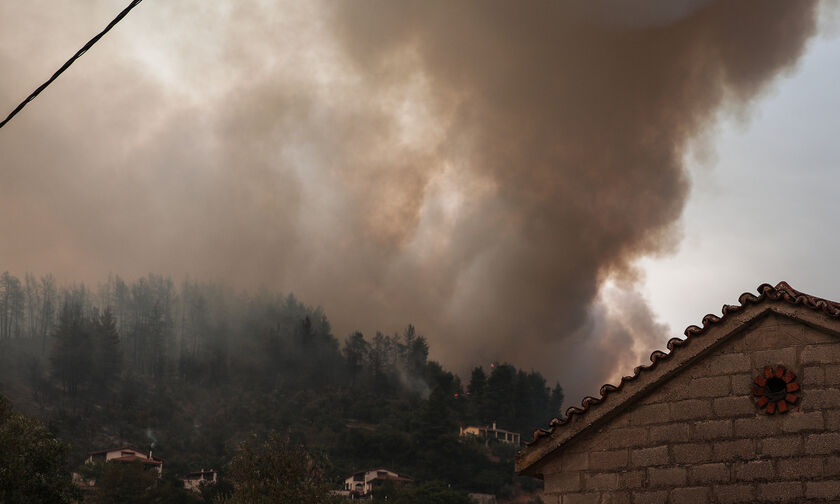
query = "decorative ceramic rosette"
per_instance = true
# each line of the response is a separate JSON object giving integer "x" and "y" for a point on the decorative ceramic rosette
{"x": 776, "y": 388}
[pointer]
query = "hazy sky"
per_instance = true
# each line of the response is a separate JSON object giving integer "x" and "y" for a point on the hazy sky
{"x": 560, "y": 185}
{"x": 763, "y": 204}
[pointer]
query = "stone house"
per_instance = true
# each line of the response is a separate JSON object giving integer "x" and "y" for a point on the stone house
{"x": 744, "y": 409}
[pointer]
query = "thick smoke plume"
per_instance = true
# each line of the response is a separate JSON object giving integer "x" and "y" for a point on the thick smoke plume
{"x": 477, "y": 168}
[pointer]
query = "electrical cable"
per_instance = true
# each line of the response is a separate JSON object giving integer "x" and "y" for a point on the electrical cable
{"x": 69, "y": 62}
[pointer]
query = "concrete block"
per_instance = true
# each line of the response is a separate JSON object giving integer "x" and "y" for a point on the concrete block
{"x": 581, "y": 498}
{"x": 708, "y": 473}
{"x": 666, "y": 476}
{"x": 821, "y": 354}
{"x": 822, "y": 444}
{"x": 758, "y": 426}
{"x": 576, "y": 461}
{"x": 822, "y": 489}
{"x": 691, "y": 453}
{"x": 799, "y": 421}
{"x": 813, "y": 375}
{"x": 781, "y": 446}
{"x": 832, "y": 375}
{"x": 643, "y": 457}
{"x": 691, "y": 409}
{"x": 795, "y": 468}
{"x": 831, "y": 466}
{"x": 632, "y": 479}
{"x": 655, "y": 497}
{"x": 773, "y": 333}
{"x": 784, "y": 356}
{"x": 606, "y": 460}
{"x": 732, "y": 494}
{"x": 742, "y": 384}
{"x": 689, "y": 495}
{"x": 714, "y": 386}
{"x": 668, "y": 433}
{"x": 730, "y": 363}
{"x": 600, "y": 481}
{"x": 647, "y": 414}
{"x": 627, "y": 437}
{"x": 733, "y": 406}
{"x": 832, "y": 419}
{"x": 738, "y": 449}
{"x": 712, "y": 429}
{"x": 781, "y": 491}
{"x": 563, "y": 482}
{"x": 820, "y": 399}
{"x": 616, "y": 498}
{"x": 754, "y": 470}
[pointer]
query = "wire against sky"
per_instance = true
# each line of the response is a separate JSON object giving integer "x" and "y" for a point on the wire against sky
{"x": 69, "y": 62}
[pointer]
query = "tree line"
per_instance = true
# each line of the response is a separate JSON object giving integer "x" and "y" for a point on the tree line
{"x": 202, "y": 366}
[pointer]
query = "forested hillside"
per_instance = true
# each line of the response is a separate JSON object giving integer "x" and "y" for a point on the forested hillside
{"x": 191, "y": 371}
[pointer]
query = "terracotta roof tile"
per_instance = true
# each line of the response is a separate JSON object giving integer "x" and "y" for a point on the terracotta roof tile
{"x": 135, "y": 458}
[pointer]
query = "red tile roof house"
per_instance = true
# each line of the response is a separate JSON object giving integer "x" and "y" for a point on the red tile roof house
{"x": 364, "y": 482}
{"x": 744, "y": 409}
{"x": 127, "y": 454}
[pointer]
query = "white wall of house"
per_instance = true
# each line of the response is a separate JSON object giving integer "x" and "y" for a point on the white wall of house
{"x": 363, "y": 482}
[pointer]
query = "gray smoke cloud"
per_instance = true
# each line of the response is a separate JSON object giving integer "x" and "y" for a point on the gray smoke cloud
{"x": 477, "y": 168}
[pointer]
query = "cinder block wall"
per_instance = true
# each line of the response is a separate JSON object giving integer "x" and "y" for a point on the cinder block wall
{"x": 701, "y": 438}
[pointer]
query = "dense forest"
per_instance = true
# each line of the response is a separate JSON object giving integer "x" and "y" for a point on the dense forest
{"x": 191, "y": 371}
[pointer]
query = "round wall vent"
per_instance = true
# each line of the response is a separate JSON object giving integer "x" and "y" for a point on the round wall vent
{"x": 776, "y": 388}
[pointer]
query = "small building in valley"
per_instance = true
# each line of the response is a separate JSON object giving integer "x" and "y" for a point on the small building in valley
{"x": 744, "y": 409}
{"x": 195, "y": 480}
{"x": 127, "y": 454}
{"x": 487, "y": 433}
{"x": 482, "y": 498}
{"x": 365, "y": 482}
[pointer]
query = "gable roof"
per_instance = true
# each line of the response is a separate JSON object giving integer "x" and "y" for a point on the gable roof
{"x": 699, "y": 341}
{"x": 103, "y": 452}
{"x": 135, "y": 458}
{"x": 125, "y": 448}
{"x": 375, "y": 469}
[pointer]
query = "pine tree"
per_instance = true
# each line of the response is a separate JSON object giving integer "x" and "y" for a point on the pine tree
{"x": 555, "y": 403}
{"x": 107, "y": 361}
{"x": 71, "y": 355}
{"x": 477, "y": 390}
{"x": 356, "y": 351}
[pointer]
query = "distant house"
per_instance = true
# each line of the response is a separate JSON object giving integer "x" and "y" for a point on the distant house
{"x": 364, "y": 482}
{"x": 481, "y": 498}
{"x": 127, "y": 454}
{"x": 500, "y": 435}
{"x": 194, "y": 480}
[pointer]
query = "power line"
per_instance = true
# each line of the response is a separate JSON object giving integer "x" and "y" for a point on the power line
{"x": 69, "y": 62}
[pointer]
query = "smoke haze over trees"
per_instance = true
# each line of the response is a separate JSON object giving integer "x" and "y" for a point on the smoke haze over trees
{"x": 479, "y": 168}
{"x": 192, "y": 369}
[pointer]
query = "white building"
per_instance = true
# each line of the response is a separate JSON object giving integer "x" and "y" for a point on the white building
{"x": 364, "y": 482}
{"x": 500, "y": 435}
{"x": 194, "y": 480}
{"x": 127, "y": 454}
